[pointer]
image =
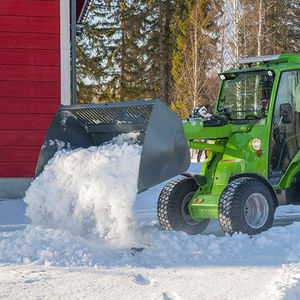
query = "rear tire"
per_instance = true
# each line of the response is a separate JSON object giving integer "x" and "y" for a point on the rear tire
{"x": 172, "y": 207}
{"x": 246, "y": 205}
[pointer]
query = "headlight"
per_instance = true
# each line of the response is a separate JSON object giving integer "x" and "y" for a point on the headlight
{"x": 256, "y": 144}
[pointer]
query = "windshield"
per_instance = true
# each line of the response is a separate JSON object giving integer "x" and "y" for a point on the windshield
{"x": 246, "y": 95}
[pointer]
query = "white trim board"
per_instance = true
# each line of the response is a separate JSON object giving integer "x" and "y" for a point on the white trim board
{"x": 65, "y": 51}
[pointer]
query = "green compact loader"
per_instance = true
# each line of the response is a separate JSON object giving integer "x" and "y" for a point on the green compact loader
{"x": 253, "y": 138}
{"x": 254, "y": 164}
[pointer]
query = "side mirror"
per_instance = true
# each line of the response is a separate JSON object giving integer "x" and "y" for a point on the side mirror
{"x": 286, "y": 112}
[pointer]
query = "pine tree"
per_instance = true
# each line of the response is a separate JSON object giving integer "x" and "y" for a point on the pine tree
{"x": 161, "y": 43}
{"x": 115, "y": 57}
{"x": 195, "y": 55}
{"x": 91, "y": 49}
{"x": 166, "y": 8}
{"x": 126, "y": 45}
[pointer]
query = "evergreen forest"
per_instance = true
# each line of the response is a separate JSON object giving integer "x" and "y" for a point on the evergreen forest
{"x": 174, "y": 50}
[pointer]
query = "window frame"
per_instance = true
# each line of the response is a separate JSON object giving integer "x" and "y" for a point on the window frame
{"x": 271, "y": 125}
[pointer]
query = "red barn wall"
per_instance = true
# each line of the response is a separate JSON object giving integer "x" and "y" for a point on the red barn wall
{"x": 29, "y": 81}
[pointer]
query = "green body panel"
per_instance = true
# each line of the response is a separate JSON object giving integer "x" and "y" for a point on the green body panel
{"x": 231, "y": 149}
{"x": 292, "y": 170}
{"x": 198, "y": 131}
{"x": 209, "y": 208}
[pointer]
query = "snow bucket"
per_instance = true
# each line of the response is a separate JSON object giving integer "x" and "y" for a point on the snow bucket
{"x": 165, "y": 151}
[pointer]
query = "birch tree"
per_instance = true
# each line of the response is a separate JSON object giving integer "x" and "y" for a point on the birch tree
{"x": 269, "y": 27}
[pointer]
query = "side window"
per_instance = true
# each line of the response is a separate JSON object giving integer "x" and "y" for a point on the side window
{"x": 285, "y": 138}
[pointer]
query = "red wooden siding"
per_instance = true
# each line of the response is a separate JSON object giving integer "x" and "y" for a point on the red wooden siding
{"x": 22, "y": 138}
{"x": 29, "y": 25}
{"x": 32, "y": 73}
{"x": 30, "y": 8}
{"x": 29, "y": 81}
{"x": 29, "y": 89}
{"x": 31, "y": 105}
{"x": 20, "y": 156}
{"x": 30, "y": 57}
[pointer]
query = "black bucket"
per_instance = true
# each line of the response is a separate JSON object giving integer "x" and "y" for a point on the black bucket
{"x": 165, "y": 152}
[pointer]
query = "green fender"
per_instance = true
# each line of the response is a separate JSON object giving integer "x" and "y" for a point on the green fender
{"x": 290, "y": 173}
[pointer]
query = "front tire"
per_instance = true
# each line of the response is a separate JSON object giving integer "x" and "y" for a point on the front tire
{"x": 246, "y": 205}
{"x": 172, "y": 207}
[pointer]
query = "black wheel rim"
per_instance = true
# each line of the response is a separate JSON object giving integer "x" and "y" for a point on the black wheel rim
{"x": 185, "y": 210}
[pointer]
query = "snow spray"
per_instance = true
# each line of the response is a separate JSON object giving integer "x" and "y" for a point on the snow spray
{"x": 89, "y": 192}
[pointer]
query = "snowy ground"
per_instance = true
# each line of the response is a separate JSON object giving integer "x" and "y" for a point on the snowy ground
{"x": 40, "y": 261}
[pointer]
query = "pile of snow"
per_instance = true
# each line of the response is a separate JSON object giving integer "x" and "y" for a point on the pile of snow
{"x": 88, "y": 192}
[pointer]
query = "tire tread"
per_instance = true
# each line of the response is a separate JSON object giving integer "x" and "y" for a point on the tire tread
{"x": 168, "y": 202}
{"x": 230, "y": 214}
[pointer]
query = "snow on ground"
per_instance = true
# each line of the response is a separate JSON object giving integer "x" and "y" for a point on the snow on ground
{"x": 80, "y": 240}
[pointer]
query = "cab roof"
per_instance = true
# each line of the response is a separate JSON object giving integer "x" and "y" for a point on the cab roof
{"x": 270, "y": 62}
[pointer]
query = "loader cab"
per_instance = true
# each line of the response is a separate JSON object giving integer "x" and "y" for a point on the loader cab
{"x": 245, "y": 95}
{"x": 271, "y": 91}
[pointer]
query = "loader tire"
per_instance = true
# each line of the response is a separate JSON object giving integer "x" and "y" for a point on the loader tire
{"x": 172, "y": 207}
{"x": 247, "y": 206}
